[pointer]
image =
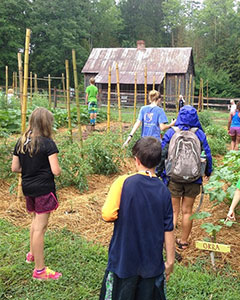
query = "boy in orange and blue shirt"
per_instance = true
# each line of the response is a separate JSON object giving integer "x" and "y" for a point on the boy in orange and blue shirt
{"x": 140, "y": 205}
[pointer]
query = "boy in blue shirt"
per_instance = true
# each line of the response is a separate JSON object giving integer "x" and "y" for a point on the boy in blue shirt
{"x": 140, "y": 205}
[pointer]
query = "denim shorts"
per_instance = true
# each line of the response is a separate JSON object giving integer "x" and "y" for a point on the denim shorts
{"x": 42, "y": 204}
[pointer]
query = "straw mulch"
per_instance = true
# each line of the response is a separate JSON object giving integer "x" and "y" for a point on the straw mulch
{"x": 81, "y": 213}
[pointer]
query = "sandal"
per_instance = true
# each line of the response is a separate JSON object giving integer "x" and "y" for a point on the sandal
{"x": 181, "y": 246}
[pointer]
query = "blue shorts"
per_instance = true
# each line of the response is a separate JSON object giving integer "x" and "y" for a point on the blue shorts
{"x": 92, "y": 107}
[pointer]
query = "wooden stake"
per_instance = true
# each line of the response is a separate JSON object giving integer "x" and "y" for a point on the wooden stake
{"x": 35, "y": 84}
{"x": 109, "y": 99}
{"x": 64, "y": 89}
{"x": 20, "y": 73}
{"x": 6, "y": 84}
{"x": 186, "y": 90}
{"x": 154, "y": 79}
{"x": 145, "y": 86}
{"x": 207, "y": 94}
{"x": 24, "y": 98}
{"x": 31, "y": 85}
{"x": 16, "y": 83}
{"x": 135, "y": 98}
{"x": 194, "y": 84}
{"x": 119, "y": 103}
{"x": 164, "y": 91}
{"x": 190, "y": 90}
{"x": 68, "y": 98}
{"x": 202, "y": 95}
{"x": 77, "y": 96}
{"x": 176, "y": 92}
{"x": 179, "y": 91}
{"x": 49, "y": 91}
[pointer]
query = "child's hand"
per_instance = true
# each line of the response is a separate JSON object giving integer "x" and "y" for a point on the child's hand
{"x": 126, "y": 142}
{"x": 231, "y": 215}
{"x": 168, "y": 270}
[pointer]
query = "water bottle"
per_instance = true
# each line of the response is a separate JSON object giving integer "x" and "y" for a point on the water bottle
{"x": 203, "y": 159}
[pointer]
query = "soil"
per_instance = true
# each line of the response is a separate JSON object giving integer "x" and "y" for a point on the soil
{"x": 81, "y": 213}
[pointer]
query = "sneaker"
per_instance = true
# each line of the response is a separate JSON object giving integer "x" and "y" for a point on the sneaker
{"x": 29, "y": 258}
{"x": 46, "y": 274}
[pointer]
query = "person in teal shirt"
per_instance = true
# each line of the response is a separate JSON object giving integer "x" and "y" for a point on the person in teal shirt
{"x": 91, "y": 100}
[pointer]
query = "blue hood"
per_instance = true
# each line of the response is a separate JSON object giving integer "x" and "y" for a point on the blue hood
{"x": 188, "y": 117}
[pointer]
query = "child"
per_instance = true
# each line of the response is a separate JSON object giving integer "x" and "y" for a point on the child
{"x": 181, "y": 102}
{"x": 91, "y": 100}
{"x": 35, "y": 156}
{"x": 140, "y": 205}
{"x": 236, "y": 199}
{"x": 152, "y": 118}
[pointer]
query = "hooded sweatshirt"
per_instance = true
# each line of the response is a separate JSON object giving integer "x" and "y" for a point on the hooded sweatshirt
{"x": 188, "y": 118}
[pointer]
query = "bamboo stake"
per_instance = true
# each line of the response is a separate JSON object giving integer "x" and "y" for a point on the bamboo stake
{"x": 164, "y": 92}
{"x": 109, "y": 99}
{"x": 190, "y": 90}
{"x": 20, "y": 72}
{"x": 64, "y": 89}
{"x": 179, "y": 91}
{"x": 68, "y": 98}
{"x": 49, "y": 91}
{"x": 24, "y": 99}
{"x": 31, "y": 85}
{"x": 199, "y": 96}
{"x": 77, "y": 97}
{"x": 176, "y": 92}
{"x": 154, "y": 79}
{"x": 186, "y": 89}
{"x": 202, "y": 96}
{"x": 119, "y": 103}
{"x": 13, "y": 82}
{"x": 207, "y": 94}
{"x": 6, "y": 84}
{"x": 16, "y": 83}
{"x": 35, "y": 84}
{"x": 135, "y": 98}
{"x": 145, "y": 86}
{"x": 194, "y": 84}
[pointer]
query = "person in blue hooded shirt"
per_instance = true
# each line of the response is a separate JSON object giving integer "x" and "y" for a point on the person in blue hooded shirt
{"x": 186, "y": 192}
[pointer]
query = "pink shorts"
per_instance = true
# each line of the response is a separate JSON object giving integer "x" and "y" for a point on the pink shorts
{"x": 42, "y": 204}
{"x": 234, "y": 131}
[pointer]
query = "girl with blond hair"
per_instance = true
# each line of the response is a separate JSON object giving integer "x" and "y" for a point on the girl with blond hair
{"x": 152, "y": 117}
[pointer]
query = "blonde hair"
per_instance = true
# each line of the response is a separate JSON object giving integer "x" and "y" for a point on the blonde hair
{"x": 92, "y": 80}
{"x": 153, "y": 96}
{"x": 40, "y": 125}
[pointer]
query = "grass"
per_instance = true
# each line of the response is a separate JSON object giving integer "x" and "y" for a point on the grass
{"x": 83, "y": 265}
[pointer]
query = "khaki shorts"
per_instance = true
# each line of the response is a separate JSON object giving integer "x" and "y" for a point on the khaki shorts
{"x": 190, "y": 190}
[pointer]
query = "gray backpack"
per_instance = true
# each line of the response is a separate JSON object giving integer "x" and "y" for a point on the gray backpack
{"x": 183, "y": 163}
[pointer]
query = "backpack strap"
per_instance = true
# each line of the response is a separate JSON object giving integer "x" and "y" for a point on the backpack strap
{"x": 176, "y": 129}
{"x": 194, "y": 129}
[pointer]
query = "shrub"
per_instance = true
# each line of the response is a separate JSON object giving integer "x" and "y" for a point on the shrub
{"x": 205, "y": 118}
{"x": 217, "y": 146}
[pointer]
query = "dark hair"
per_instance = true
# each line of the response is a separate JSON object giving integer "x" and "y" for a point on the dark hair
{"x": 148, "y": 150}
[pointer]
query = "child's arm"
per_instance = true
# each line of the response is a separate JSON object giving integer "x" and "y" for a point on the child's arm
{"x": 16, "y": 167}
{"x": 54, "y": 164}
{"x": 112, "y": 204}
{"x": 170, "y": 252}
{"x": 236, "y": 199}
{"x": 134, "y": 129}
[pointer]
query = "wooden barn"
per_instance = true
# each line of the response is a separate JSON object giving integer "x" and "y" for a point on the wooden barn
{"x": 174, "y": 63}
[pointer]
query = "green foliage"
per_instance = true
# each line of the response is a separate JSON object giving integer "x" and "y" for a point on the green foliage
{"x": 104, "y": 153}
{"x": 211, "y": 228}
{"x": 217, "y": 146}
{"x": 205, "y": 118}
{"x": 200, "y": 215}
{"x": 74, "y": 167}
{"x": 6, "y": 150}
{"x": 226, "y": 174}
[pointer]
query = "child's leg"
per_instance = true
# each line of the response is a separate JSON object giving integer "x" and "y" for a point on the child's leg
{"x": 31, "y": 234}
{"x": 233, "y": 142}
{"x": 39, "y": 228}
{"x": 187, "y": 206}
{"x": 176, "y": 209}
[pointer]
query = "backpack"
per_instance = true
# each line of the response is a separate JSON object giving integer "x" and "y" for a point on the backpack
{"x": 183, "y": 163}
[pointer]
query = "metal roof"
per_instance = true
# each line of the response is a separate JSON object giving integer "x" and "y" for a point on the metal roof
{"x": 131, "y": 60}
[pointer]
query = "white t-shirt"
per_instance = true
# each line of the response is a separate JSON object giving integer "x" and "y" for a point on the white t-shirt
{"x": 233, "y": 108}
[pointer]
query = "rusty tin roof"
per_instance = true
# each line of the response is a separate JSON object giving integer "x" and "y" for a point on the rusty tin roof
{"x": 132, "y": 60}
